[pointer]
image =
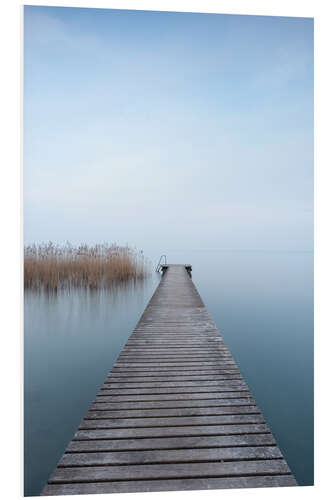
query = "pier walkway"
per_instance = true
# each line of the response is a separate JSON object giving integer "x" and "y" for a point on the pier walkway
{"x": 174, "y": 412}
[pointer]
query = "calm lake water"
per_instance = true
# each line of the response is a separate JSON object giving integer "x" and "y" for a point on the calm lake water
{"x": 261, "y": 301}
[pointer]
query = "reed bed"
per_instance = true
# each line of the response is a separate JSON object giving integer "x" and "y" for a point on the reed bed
{"x": 50, "y": 266}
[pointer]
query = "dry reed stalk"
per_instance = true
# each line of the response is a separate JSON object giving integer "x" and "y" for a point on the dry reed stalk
{"x": 51, "y": 266}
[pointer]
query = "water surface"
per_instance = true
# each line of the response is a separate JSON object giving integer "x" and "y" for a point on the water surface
{"x": 261, "y": 301}
{"x": 71, "y": 342}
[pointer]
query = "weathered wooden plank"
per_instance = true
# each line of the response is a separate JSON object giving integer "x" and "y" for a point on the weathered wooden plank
{"x": 230, "y": 385}
{"x": 161, "y": 365}
{"x": 151, "y": 357}
{"x": 151, "y": 372}
{"x": 178, "y": 337}
{"x": 170, "y": 373}
{"x": 168, "y": 384}
{"x": 176, "y": 343}
{"x": 165, "y": 471}
{"x": 181, "y": 349}
{"x": 150, "y": 341}
{"x": 173, "y": 360}
{"x": 107, "y": 423}
{"x": 171, "y": 443}
{"x": 199, "y": 430}
{"x": 126, "y": 379}
{"x": 160, "y": 353}
{"x": 196, "y": 358}
{"x": 108, "y": 403}
{"x": 171, "y": 485}
{"x": 172, "y": 397}
{"x": 175, "y": 350}
{"x": 158, "y": 332}
{"x": 169, "y": 456}
{"x": 171, "y": 341}
{"x": 168, "y": 341}
{"x": 172, "y": 412}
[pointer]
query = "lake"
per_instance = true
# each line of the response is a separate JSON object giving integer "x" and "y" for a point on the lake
{"x": 261, "y": 301}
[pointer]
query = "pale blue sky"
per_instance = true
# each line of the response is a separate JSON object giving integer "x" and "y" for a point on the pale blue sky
{"x": 168, "y": 130}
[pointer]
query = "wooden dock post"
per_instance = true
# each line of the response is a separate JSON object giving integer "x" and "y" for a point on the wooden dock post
{"x": 174, "y": 412}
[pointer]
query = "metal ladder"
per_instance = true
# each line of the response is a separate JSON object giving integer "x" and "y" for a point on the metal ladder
{"x": 159, "y": 265}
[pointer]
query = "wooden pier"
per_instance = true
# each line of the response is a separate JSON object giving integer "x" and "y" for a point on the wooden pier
{"x": 174, "y": 412}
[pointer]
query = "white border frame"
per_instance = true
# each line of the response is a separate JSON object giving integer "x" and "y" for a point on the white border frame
{"x": 11, "y": 184}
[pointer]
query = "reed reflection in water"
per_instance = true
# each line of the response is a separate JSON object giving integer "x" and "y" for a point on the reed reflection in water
{"x": 72, "y": 338}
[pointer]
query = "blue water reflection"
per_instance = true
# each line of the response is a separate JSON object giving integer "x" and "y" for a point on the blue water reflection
{"x": 71, "y": 341}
